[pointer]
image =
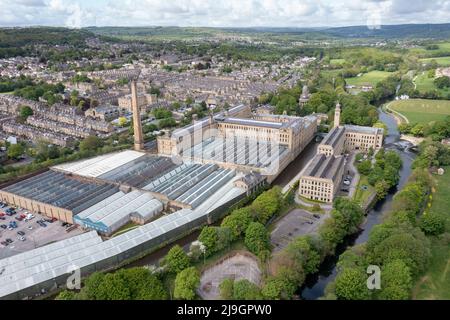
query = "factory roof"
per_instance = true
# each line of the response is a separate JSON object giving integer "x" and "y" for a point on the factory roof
{"x": 334, "y": 136}
{"x": 324, "y": 167}
{"x": 361, "y": 129}
{"x": 239, "y": 151}
{"x": 60, "y": 190}
{"x": 191, "y": 183}
{"x": 136, "y": 172}
{"x": 100, "y": 165}
{"x": 255, "y": 123}
{"x": 120, "y": 205}
{"x": 40, "y": 265}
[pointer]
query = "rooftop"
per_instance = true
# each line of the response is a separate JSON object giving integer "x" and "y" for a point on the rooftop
{"x": 324, "y": 167}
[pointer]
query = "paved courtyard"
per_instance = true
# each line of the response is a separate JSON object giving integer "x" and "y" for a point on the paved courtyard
{"x": 237, "y": 267}
{"x": 296, "y": 223}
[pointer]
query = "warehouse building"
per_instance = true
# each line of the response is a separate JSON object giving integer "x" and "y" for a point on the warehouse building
{"x": 348, "y": 138}
{"x": 56, "y": 195}
{"x": 47, "y": 268}
{"x": 117, "y": 210}
{"x": 321, "y": 178}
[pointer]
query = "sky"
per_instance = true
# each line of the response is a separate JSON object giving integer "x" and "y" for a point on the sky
{"x": 221, "y": 13}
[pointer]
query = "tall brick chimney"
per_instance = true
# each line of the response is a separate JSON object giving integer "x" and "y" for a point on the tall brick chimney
{"x": 138, "y": 135}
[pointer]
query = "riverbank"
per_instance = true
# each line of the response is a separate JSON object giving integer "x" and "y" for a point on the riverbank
{"x": 435, "y": 283}
{"x": 315, "y": 284}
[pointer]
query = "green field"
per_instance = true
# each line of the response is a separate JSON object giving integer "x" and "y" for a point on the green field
{"x": 442, "y": 61}
{"x": 337, "y": 61}
{"x": 425, "y": 84}
{"x": 331, "y": 73}
{"x": 371, "y": 78}
{"x": 362, "y": 195}
{"x": 435, "y": 284}
{"x": 421, "y": 110}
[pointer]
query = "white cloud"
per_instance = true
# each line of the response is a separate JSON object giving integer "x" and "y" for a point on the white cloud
{"x": 228, "y": 13}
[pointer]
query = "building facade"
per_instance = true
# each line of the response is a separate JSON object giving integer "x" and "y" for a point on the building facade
{"x": 321, "y": 178}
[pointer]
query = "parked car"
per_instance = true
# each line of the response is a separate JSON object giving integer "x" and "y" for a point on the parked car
{"x": 5, "y": 243}
{"x": 9, "y": 241}
{"x": 30, "y": 228}
{"x": 21, "y": 233}
{"x": 4, "y": 226}
{"x": 2, "y": 218}
{"x": 21, "y": 238}
{"x": 19, "y": 218}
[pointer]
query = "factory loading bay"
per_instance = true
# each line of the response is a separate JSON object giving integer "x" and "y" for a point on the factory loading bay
{"x": 22, "y": 230}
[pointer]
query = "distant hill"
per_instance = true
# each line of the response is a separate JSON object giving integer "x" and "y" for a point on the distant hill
{"x": 433, "y": 31}
{"x": 19, "y": 37}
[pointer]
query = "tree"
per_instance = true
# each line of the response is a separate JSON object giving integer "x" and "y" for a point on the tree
{"x": 113, "y": 287}
{"x": 442, "y": 82}
{"x": 186, "y": 283}
{"x": 238, "y": 221}
{"x": 246, "y": 290}
{"x": 25, "y": 112}
{"x": 142, "y": 284}
{"x": 277, "y": 288}
{"x": 351, "y": 285}
{"x": 364, "y": 167}
{"x": 67, "y": 295}
{"x": 90, "y": 143}
{"x": 410, "y": 246}
{"x": 209, "y": 238}
{"x": 122, "y": 121}
{"x": 176, "y": 259}
{"x": 226, "y": 289}
{"x": 15, "y": 151}
{"x": 92, "y": 284}
{"x": 257, "y": 238}
{"x": 267, "y": 204}
{"x": 432, "y": 224}
{"x": 161, "y": 113}
{"x": 381, "y": 188}
{"x": 396, "y": 281}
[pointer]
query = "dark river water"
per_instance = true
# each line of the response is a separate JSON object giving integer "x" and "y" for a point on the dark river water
{"x": 315, "y": 284}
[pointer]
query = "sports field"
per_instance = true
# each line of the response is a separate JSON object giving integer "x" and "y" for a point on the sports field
{"x": 421, "y": 110}
{"x": 371, "y": 78}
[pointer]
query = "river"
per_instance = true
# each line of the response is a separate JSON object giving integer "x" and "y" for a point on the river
{"x": 314, "y": 286}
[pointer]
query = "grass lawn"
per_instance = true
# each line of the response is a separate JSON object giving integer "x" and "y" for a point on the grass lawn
{"x": 362, "y": 195}
{"x": 435, "y": 284}
{"x": 337, "y": 61}
{"x": 331, "y": 73}
{"x": 421, "y": 110}
{"x": 371, "y": 78}
{"x": 125, "y": 228}
{"x": 425, "y": 84}
{"x": 442, "y": 61}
